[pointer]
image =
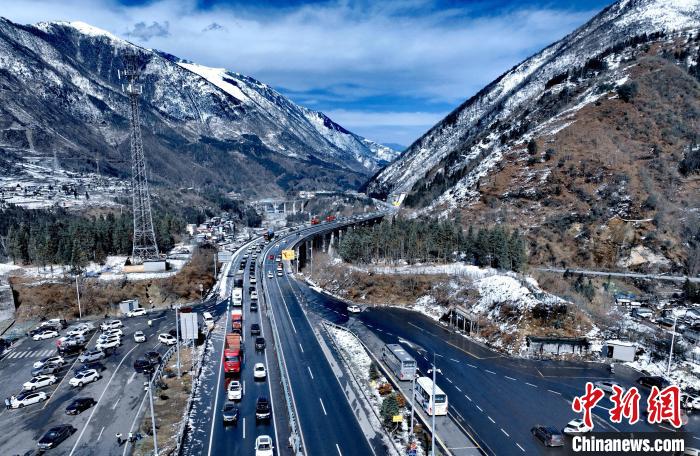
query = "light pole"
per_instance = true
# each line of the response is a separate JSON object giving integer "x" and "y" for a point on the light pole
{"x": 153, "y": 416}
{"x": 77, "y": 291}
{"x": 413, "y": 405}
{"x": 215, "y": 255}
{"x": 177, "y": 340}
{"x": 673, "y": 339}
{"x": 432, "y": 443}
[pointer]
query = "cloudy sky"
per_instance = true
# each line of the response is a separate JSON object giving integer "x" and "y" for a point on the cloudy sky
{"x": 387, "y": 70}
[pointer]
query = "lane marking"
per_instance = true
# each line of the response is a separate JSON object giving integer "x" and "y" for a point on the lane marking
{"x": 301, "y": 348}
{"x": 244, "y": 427}
{"x": 480, "y": 409}
{"x": 94, "y": 409}
{"x": 323, "y": 407}
{"x": 510, "y": 378}
{"x": 311, "y": 374}
{"x": 115, "y": 404}
{"x": 448, "y": 380}
{"x": 455, "y": 360}
{"x": 468, "y": 398}
{"x": 507, "y": 435}
{"x": 530, "y": 384}
{"x": 101, "y": 431}
{"x": 458, "y": 389}
{"x": 554, "y": 392}
{"x": 490, "y": 419}
{"x": 131, "y": 379}
{"x": 338, "y": 448}
{"x": 490, "y": 372}
{"x": 520, "y": 447}
{"x": 471, "y": 365}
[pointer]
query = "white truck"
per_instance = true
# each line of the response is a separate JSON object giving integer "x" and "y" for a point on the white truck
{"x": 237, "y": 297}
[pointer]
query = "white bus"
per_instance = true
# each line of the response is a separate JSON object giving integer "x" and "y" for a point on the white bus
{"x": 424, "y": 396}
{"x": 403, "y": 364}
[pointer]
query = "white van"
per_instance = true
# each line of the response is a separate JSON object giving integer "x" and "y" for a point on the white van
{"x": 237, "y": 297}
{"x": 208, "y": 320}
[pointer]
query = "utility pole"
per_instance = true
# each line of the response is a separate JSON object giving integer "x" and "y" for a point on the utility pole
{"x": 413, "y": 406}
{"x": 215, "y": 255}
{"x": 177, "y": 329}
{"x": 77, "y": 292}
{"x": 432, "y": 443}
{"x": 153, "y": 416}
{"x": 673, "y": 339}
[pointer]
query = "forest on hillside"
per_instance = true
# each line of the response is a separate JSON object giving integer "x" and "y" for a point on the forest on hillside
{"x": 422, "y": 240}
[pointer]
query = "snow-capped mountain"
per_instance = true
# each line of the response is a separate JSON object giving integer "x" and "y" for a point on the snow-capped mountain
{"x": 590, "y": 147}
{"x": 62, "y": 94}
{"x": 516, "y": 91}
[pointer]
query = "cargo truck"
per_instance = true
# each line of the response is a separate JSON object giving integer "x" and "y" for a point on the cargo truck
{"x": 233, "y": 354}
{"x": 237, "y": 321}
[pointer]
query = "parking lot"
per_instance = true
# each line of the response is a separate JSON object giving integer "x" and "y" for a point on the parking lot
{"x": 119, "y": 392}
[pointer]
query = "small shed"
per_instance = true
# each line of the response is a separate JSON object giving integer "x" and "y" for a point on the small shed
{"x": 557, "y": 345}
{"x": 619, "y": 350}
{"x": 128, "y": 305}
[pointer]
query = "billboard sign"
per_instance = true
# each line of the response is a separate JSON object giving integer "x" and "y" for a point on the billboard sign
{"x": 188, "y": 326}
{"x": 288, "y": 255}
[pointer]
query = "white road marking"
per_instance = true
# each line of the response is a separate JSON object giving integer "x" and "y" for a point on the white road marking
{"x": 480, "y": 409}
{"x": 101, "y": 431}
{"x": 115, "y": 404}
{"x": 322, "y": 406}
{"x": 301, "y": 348}
{"x": 458, "y": 389}
{"x": 520, "y": 447}
{"x": 490, "y": 372}
{"x": 448, "y": 379}
{"x": 530, "y": 384}
{"x": 490, "y": 419}
{"x": 244, "y": 427}
{"x": 509, "y": 378}
{"x": 243, "y": 387}
{"x": 311, "y": 374}
{"x": 471, "y": 365}
{"x": 338, "y": 448}
{"x": 468, "y": 398}
{"x": 555, "y": 392}
{"x": 131, "y": 379}
{"x": 507, "y": 435}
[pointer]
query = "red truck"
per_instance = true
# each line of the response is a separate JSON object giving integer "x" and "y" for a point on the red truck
{"x": 315, "y": 221}
{"x": 233, "y": 354}
{"x": 330, "y": 218}
{"x": 236, "y": 321}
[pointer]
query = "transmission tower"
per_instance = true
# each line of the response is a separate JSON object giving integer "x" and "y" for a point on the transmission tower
{"x": 145, "y": 247}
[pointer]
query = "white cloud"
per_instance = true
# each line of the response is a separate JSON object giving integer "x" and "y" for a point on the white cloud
{"x": 338, "y": 51}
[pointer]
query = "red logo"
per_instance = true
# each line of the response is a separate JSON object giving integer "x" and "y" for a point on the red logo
{"x": 626, "y": 405}
{"x": 664, "y": 405}
{"x": 586, "y": 403}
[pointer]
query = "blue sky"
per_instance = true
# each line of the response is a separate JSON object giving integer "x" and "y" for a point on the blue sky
{"x": 386, "y": 70}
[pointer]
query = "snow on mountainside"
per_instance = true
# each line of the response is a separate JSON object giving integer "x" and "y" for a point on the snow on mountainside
{"x": 61, "y": 94}
{"x": 456, "y": 140}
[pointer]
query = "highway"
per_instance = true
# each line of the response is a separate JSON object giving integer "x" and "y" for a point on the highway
{"x": 209, "y": 435}
{"x": 328, "y": 424}
{"x": 120, "y": 393}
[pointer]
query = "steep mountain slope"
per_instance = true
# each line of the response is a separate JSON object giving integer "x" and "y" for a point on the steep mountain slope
{"x": 608, "y": 113}
{"x": 61, "y": 93}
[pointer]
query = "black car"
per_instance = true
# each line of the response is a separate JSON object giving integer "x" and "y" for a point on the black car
{"x": 254, "y": 329}
{"x": 55, "y": 435}
{"x": 154, "y": 357}
{"x": 253, "y": 306}
{"x": 68, "y": 350}
{"x": 548, "y": 435}
{"x": 260, "y": 343}
{"x": 230, "y": 413}
{"x": 263, "y": 411}
{"x": 99, "y": 367}
{"x": 79, "y": 405}
{"x": 143, "y": 366}
{"x": 652, "y": 380}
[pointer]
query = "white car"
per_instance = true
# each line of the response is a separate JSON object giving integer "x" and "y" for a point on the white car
{"x": 354, "y": 309}
{"x": 39, "y": 381}
{"x": 254, "y": 294}
{"x": 606, "y": 385}
{"x": 109, "y": 343}
{"x": 139, "y": 337}
{"x": 235, "y": 391}
{"x": 253, "y": 280}
{"x": 269, "y": 274}
{"x": 47, "y": 334}
{"x": 166, "y": 339}
{"x": 27, "y": 398}
{"x": 112, "y": 332}
{"x": 56, "y": 360}
{"x": 259, "y": 371}
{"x": 84, "y": 377}
{"x": 108, "y": 337}
{"x": 136, "y": 312}
{"x": 111, "y": 324}
{"x": 263, "y": 446}
{"x": 575, "y": 427}
{"x": 279, "y": 273}
{"x": 80, "y": 330}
